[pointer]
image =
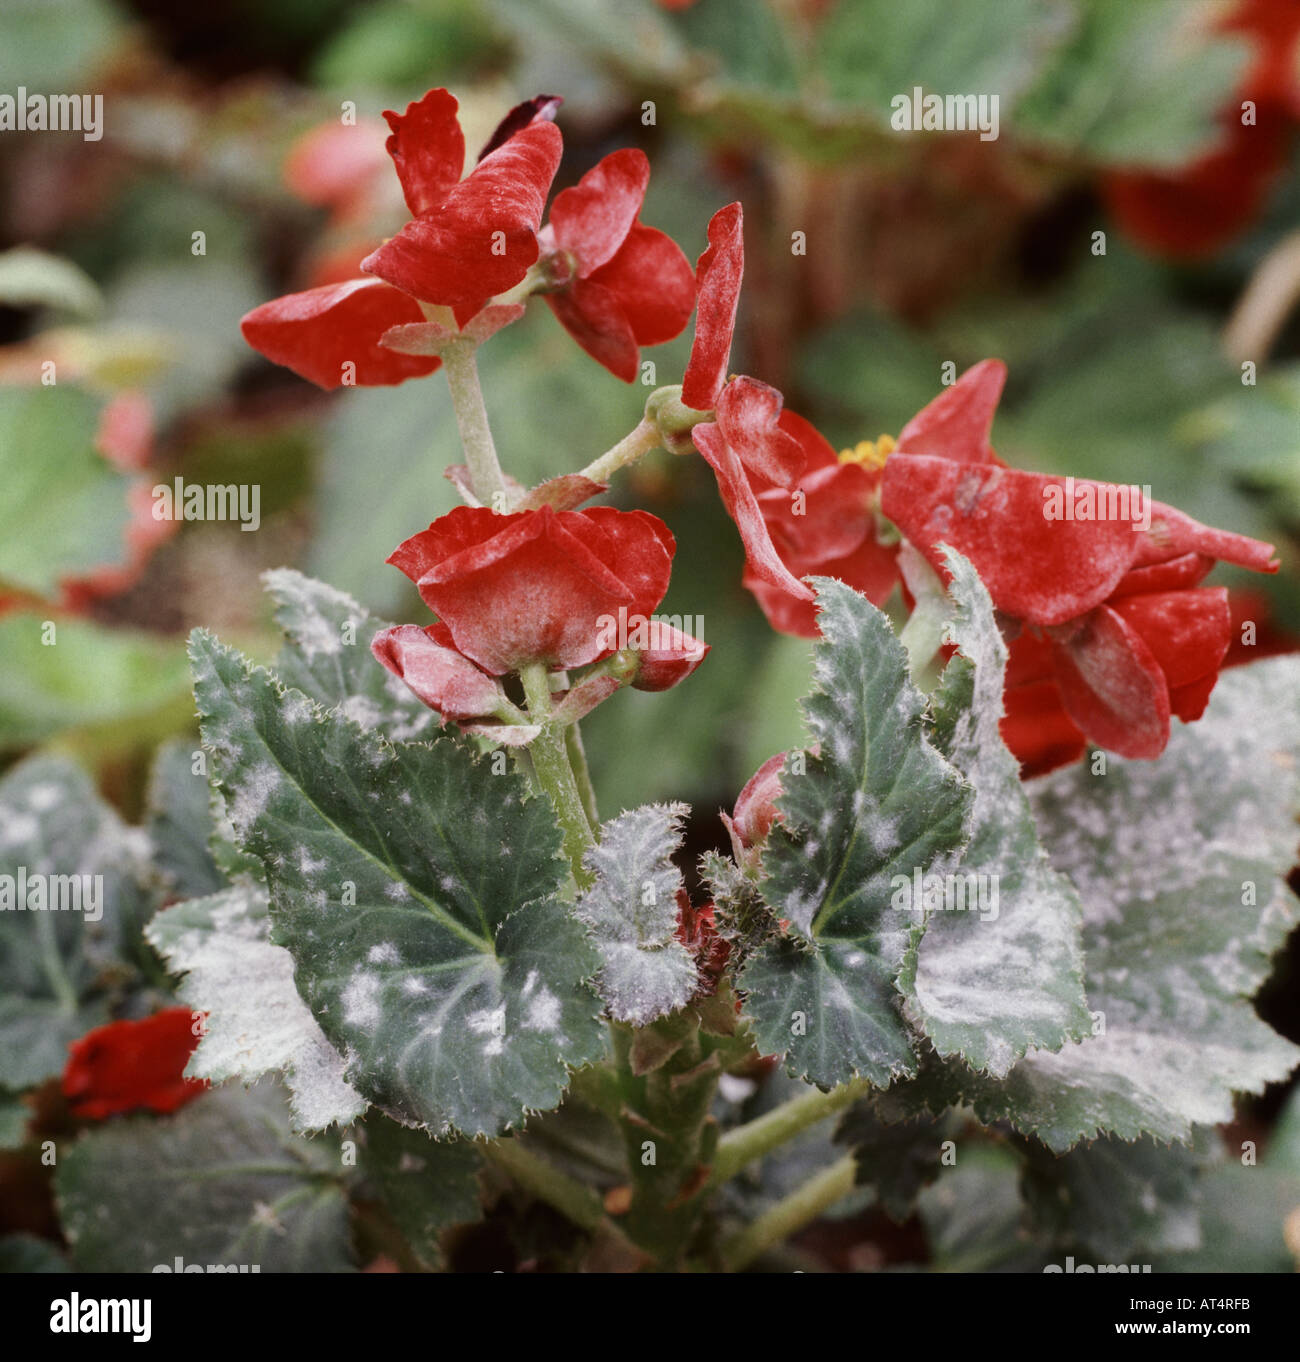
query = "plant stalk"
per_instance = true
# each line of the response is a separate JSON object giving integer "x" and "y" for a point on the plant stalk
{"x": 790, "y": 1214}
{"x": 461, "y": 366}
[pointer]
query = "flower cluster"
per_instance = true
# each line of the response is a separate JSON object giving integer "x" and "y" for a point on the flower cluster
{"x": 1110, "y": 632}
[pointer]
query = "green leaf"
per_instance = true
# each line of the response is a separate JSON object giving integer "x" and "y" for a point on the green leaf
{"x": 65, "y": 505}
{"x": 51, "y": 44}
{"x": 223, "y": 1182}
{"x": 872, "y": 50}
{"x": 896, "y": 1159}
{"x": 877, "y": 802}
{"x": 123, "y": 685}
{"x": 973, "y": 1216}
{"x": 256, "y": 1022}
{"x": 180, "y": 823}
{"x": 34, "y": 278}
{"x": 327, "y": 656}
{"x": 418, "y": 894}
{"x": 1163, "y": 854}
{"x": 999, "y": 970}
{"x": 58, "y": 968}
{"x": 1134, "y": 85}
{"x": 1114, "y": 1200}
{"x": 427, "y": 1186}
{"x": 631, "y": 910}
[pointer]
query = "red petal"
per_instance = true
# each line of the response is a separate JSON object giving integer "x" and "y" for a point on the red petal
{"x": 536, "y": 585}
{"x": 1112, "y": 686}
{"x": 956, "y": 424}
{"x": 1173, "y": 534}
{"x": 748, "y": 416}
{"x": 428, "y": 149}
{"x": 818, "y": 450}
{"x": 756, "y": 810}
{"x": 594, "y": 317}
{"x": 1038, "y": 731}
{"x": 717, "y": 275}
{"x": 440, "y": 676}
{"x": 742, "y": 506}
{"x": 481, "y": 240}
{"x": 316, "y": 333}
{"x": 1188, "y": 633}
{"x": 653, "y": 283}
{"x": 131, "y": 1064}
{"x": 664, "y": 667}
{"x": 1039, "y": 570}
{"x": 1171, "y": 575}
{"x": 124, "y": 435}
{"x": 593, "y": 218}
{"x": 541, "y": 108}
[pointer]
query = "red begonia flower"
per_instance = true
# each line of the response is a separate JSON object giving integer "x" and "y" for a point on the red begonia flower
{"x": 755, "y": 812}
{"x": 131, "y": 1064}
{"x": 829, "y": 531}
{"x": 746, "y": 439}
{"x": 468, "y": 239}
{"x": 318, "y": 333}
{"x": 671, "y": 661}
{"x": 1112, "y": 633}
{"x": 619, "y": 285}
{"x": 336, "y": 166}
{"x": 835, "y": 531}
{"x": 535, "y": 586}
{"x": 1192, "y": 212}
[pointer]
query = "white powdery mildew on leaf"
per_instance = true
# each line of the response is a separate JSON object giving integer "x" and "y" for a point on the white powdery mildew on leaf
{"x": 631, "y": 911}
{"x": 411, "y": 935}
{"x": 256, "y": 1022}
{"x": 874, "y": 802}
{"x": 1162, "y": 853}
{"x": 990, "y": 985}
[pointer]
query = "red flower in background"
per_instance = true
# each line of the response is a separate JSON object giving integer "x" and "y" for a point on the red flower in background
{"x": 617, "y": 284}
{"x": 468, "y": 240}
{"x": 751, "y": 443}
{"x": 128, "y": 1065}
{"x": 1109, "y": 631}
{"x": 534, "y": 586}
{"x": 1194, "y": 211}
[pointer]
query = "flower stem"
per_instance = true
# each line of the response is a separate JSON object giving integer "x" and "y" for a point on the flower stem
{"x": 756, "y": 1138}
{"x": 629, "y": 449}
{"x": 551, "y": 762}
{"x": 472, "y": 420}
{"x": 582, "y": 773}
{"x": 790, "y": 1214}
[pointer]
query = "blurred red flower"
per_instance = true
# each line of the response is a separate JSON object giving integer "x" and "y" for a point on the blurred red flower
{"x": 128, "y": 1065}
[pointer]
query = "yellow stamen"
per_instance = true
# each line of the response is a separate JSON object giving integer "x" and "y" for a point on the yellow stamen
{"x": 870, "y": 453}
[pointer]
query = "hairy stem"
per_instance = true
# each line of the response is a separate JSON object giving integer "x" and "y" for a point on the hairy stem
{"x": 550, "y": 756}
{"x": 758, "y": 1137}
{"x": 629, "y": 449}
{"x": 790, "y": 1214}
{"x": 472, "y": 421}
